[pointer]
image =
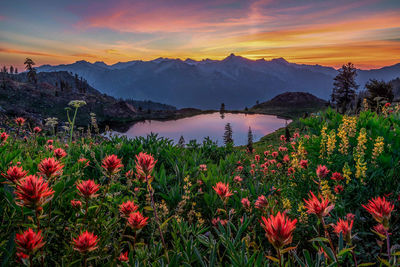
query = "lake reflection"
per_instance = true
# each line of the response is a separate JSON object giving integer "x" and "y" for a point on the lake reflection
{"x": 211, "y": 125}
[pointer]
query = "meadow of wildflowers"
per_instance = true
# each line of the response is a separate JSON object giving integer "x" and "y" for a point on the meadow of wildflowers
{"x": 328, "y": 196}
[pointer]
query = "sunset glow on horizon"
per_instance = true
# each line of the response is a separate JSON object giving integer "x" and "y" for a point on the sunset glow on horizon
{"x": 331, "y": 33}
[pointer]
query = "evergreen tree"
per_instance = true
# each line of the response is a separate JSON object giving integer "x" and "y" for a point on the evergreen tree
{"x": 378, "y": 91}
{"x": 250, "y": 141}
{"x": 181, "y": 142}
{"x": 11, "y": 70}
{"x": 228, "y": 140}
{"x": 345, "y": 86}
{"x": 16, "y": 70}
{"x": 31, "y": 70}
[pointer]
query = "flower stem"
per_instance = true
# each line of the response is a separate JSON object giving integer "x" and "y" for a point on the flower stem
{"x": 388, "y": 244}
{"x": 156, "y": 217}
{"x": 330, "y": 240}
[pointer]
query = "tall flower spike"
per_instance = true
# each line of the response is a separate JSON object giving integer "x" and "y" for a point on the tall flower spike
{"x": 279, "y": 229}
{"x": 33, "y": 192}
{"x": 50, "y": 168}
{"x": 222, "y": 190}
{"x": 112, "y": 164}
{"x": 85, "y": 242}
{"x": 29, "y": 241}
{"x": 317, "y": 207}
{"x": 137, "y": 221}
{"x": 14, "y": 174}
{"x": 380, "y": 209}
{"x": 87, "y": 189}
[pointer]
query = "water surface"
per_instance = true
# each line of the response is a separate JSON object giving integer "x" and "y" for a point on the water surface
{"x": 210, "y": 125}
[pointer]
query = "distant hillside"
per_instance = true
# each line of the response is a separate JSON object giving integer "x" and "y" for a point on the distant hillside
{"x": 235, "y": 81}
{"x": 51, "y": 95}
{"x": 291, "y": 104}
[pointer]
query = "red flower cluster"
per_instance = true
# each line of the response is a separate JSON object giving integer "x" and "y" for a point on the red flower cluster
{"x": 279, "y": 229}
{"x": 123, "y": 256}
{"x": 112, "y": 164}
{"x": 50, "y": 168}
{"x": 37, "y": 130}
{"x": 344, "y": 227}
{"x": 319, "y": 208}
{"x": 222, "y": 190}
{"x": 20, "y": 121}
{"x": 322, "y": 171}
{"x": 217, "y": 221}
{"x": 85, "y": 242}
{"x": 246, "y": 203}
{"x": 87, "y": 189}
{"x": 29, "y": 241}
{"x": 3, "y": 137}
{"x": 127, "y": 208}
{"x": 76, "y": 204}
{"x": 380, "y": 209}
{"x": 59, "y": 153}
{"x": 144, "y": 165}
{"x": 137, "y": 221}
{"x": 337, "y": 176}
{"x": 14, "y": 174}
{"x": 261, "y": 203}
{"x": 33, "y": 192}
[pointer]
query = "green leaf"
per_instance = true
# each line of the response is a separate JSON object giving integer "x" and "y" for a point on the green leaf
{"x": 320, "y": 239}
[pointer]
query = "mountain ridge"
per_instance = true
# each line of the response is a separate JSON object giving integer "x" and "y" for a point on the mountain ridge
{"x": 236, "y": 81}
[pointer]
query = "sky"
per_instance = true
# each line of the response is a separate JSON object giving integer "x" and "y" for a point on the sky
{"x": 325, "y": 32}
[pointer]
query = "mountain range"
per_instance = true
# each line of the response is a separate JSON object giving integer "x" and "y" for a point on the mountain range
{"x": 235, "y": 80}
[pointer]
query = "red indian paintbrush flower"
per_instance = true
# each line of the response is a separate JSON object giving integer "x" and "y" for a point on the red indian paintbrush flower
{"x": 380, "y": 209}
{"x": 129, "y": 174}
{"x": 85, "y": 242}
{"x": 245, "y": 203}
{"x": 76, "y": 204}
{"x": 37, "y": 130}
{"x": 279, "y": 229}
{"x": 144, "y": 165}
{"x": 261, "y": 203}
{"x": 20, "y": 256}
{"x": 20, "y": 121}
{"x": 137, "y": 221}
{"x": 84, "y": 161}
{"x": 59, "y": 153}
{"x": 216, "y": 221}
{"x": 123, "y": 256}
{"x": 14, "y": 174}
{"x": 29, "y": 241}
{"x": 337, "y": 176}
{"x": 112, "y": 164}
{"x": 50, "y": 167}
{"x": 381, "y": 231}
{"x": 319, "y": 208}
{"x": 304, "y": 163}
{"x": 322, "y": 171}
{"x": 33, "y": 192}
{"x": 127, "y": 208}
{"x": 87, "y": 189}
{"x": 222, "y": 190}
{"x": 3, "y": 137}
{"x": 344, "y": 227}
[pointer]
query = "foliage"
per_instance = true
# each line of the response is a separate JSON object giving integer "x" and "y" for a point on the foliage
{"x": 206, "y": 225}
